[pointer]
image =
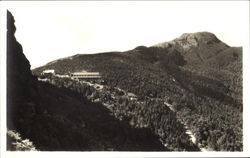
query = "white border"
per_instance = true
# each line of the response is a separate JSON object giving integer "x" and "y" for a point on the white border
{"x": 246, "y": 88}
{"x": 3, "y": 77}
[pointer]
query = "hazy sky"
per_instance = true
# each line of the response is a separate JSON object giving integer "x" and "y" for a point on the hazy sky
{"x": 52, "y": 30}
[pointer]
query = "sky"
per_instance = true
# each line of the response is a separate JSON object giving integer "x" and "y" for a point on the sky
{"x": 51, "y": 30}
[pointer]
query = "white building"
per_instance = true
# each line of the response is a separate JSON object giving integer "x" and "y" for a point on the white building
{"x": 48, "y": 72}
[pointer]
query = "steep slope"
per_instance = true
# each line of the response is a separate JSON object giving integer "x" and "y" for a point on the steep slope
{"x": 187, "y": 73}
{"x": 58, "y": 119}
{"x": 20, "y": 81}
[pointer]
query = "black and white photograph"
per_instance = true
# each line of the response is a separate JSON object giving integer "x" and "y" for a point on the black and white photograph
{"x": 150, "y": 78}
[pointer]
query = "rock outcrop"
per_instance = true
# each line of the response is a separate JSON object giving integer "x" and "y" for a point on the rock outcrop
{"x": 191, "y": 40}
{"x": 196, "y": 47}
{"x": 20, "y": 81}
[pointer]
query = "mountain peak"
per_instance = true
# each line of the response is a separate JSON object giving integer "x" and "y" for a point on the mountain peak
{"x": 204, "y": 37}
{"x": 190, "y": 40}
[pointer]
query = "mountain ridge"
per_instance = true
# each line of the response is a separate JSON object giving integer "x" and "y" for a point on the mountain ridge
{"x": 188, "y": 44}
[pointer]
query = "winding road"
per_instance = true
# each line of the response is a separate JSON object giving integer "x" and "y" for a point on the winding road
{"x": 188, "y": 131}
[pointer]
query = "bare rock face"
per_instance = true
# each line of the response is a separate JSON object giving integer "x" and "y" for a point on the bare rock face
{"x": 201, "y": 37}
{"x": 187, "y": 41}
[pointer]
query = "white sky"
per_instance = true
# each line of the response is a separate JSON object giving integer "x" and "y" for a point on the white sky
{"x": 52, "y": 30}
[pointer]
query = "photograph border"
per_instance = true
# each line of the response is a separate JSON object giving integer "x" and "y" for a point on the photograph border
{"x": 246, "y": 111}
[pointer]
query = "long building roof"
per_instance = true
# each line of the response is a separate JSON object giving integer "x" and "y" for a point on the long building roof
{"x": 85, "y": 73}
{"x": 87, "y": 76}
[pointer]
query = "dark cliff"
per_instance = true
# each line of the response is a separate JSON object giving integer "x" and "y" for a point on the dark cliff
{"x": 20, "y": 81}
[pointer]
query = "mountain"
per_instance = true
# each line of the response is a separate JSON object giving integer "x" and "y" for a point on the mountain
{"x": 207, "y": 56}
{"x": 199, "y": 75}
{"x": 190, "y": 60}
{"x": 44, "y": 117}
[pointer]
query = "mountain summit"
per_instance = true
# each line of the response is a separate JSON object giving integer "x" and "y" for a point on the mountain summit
{"x": 196, "y": 47}
{"x": 189, "y": 40}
